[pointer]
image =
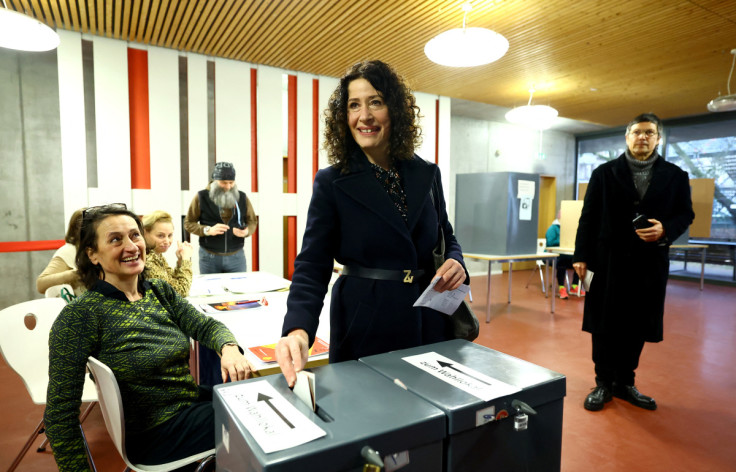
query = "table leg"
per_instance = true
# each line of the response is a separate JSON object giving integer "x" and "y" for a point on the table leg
{"x": 546, "y": 279}
{"x": 488, "y": 300}
{"x": 510, "y": 271}
{"x": 702, "y": 268}
{"x": 684, "y": 265}
{"x": 554, "y": 274}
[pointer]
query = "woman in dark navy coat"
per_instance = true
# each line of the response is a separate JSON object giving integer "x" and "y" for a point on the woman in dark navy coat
{"x": 371, "y": 211}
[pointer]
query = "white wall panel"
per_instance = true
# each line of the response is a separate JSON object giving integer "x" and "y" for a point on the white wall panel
{"x": 163, "y": 110}
{"x": 448, "y": 178}
{"x": 71, "y": 111}
{"x": 112, "y": 121}
{"x": 327, "y": 85}
{"x": 270, "y": 170}
{"x": 428, "y": 110}
{"x": 232, "y": 115}
{"x": 304, "y": 132}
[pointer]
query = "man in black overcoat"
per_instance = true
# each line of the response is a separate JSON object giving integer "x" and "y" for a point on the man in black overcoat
{"x": 639, "y": 185}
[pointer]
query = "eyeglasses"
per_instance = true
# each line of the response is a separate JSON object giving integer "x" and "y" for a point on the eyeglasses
{"x": 648, "y": 133}
{"x": 92, "y": 211}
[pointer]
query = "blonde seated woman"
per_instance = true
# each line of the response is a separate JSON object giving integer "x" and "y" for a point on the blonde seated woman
{"x": 159, "y": 234}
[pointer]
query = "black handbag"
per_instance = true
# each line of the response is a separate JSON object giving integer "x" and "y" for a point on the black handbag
{"x": 464, "y": 322}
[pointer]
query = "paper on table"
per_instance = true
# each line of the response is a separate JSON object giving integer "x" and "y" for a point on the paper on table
{"x": 304, "y": 389}
{"x": 587, "y": 280}
{"x": 264, "y": 282}
{"x": 445, "y": 302}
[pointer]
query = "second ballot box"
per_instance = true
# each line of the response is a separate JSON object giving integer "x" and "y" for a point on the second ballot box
{"x": 360, "y": 412}
{"x": 503, "y": 413}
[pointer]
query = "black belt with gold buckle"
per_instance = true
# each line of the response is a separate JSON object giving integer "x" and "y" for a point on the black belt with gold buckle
{"x": 407, "y": 276}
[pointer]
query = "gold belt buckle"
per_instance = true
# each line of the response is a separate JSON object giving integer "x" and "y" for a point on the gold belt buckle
{"x": 408, "y": 278}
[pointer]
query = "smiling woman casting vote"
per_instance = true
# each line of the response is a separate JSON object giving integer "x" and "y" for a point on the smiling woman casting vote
{"x": 141, "y": 330}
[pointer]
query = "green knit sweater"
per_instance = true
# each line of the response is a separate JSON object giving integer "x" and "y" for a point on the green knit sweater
{"x": 145, "y": 343}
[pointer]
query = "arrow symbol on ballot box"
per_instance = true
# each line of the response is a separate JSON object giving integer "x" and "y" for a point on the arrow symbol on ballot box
{"x": 262, "y": 397}
{"x": 448, "y": 365}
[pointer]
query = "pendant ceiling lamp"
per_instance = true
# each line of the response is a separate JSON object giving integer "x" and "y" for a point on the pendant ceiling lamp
{"x": 21, "y": 32}
{"x": 726, "y": 102}
{"x": 466, "y": 47}
{"x": 533, "y": 116}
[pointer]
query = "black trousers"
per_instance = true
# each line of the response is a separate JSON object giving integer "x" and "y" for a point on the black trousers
{"x": 616, "y": 357}
{"x": 189, "y": 432}
{"x": 564, "y": 262}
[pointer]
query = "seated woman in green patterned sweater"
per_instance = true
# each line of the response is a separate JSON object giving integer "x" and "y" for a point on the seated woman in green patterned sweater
{"x": 141, "y": 330}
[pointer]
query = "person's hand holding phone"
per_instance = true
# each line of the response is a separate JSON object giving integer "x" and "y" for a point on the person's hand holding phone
{"x": 653, "y": 232}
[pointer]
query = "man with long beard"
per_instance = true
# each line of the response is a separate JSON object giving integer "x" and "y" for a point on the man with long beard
{"x": 222, "y": 217}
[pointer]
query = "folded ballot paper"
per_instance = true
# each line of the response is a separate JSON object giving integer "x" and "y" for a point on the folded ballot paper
{"x": 587, "y": 280}
{"x": 445, "y": 302}
{"x": 304, "y": 389}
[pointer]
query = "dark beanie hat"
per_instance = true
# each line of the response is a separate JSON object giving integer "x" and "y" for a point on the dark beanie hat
{"x": 223, "y": 171}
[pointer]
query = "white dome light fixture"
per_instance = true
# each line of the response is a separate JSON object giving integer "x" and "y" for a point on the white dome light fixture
{"x": 726, "y": 102}
{"x": 23, "y": 33}
{"x": 534, "y": 116}
{"x": 466, "y": 47}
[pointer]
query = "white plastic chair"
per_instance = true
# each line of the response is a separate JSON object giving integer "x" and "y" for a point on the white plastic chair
{"x": 541, "y": 247}
{"x": 24, "y": 343}
{"x": 111, "y": 404}
{"x": 55, "y": 291}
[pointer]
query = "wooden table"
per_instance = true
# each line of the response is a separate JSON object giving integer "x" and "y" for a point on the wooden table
{"x": 510, "y": 259}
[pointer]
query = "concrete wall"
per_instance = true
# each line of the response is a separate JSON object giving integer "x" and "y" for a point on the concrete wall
{"x": 30, "y": 167}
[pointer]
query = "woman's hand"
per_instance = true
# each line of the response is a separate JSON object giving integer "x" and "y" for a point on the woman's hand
{"x": 452, "y": 275}
{"x": 183, "y": 251}
{"x": 234, "y": 365}
{"x": 291, "y": 354}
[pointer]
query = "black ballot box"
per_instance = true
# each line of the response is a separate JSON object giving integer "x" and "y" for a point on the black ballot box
{"x": 356, "y": 407}
{"x": 503, "y": 413}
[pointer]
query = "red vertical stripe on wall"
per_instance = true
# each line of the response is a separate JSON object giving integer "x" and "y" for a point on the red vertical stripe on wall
{"x": 315, "y": 127}
{"x": 437, "y": 132}
{"x": 253, "y": 130}
{"x": 290, "y": 245}
{"x": 140, "y": 141}
{"x": 254, "y": 153}
{"x": 291, "y": 146}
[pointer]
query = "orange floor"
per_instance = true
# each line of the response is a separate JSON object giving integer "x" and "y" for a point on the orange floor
{"x": 691, "y": 374}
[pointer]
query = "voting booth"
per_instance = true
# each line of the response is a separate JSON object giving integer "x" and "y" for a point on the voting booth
{"x": 503, "y": 413}
{"x": 259, "y": 424}
{"x": 497, "y": 212}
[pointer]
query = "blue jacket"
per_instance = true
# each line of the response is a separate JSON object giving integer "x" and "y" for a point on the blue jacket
{"x": 352, "y": 220}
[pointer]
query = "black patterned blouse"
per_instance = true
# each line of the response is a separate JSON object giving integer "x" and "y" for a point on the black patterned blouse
{"x": 391, "y": 182}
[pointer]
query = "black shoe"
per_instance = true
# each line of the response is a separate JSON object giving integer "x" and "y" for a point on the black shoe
{"x": 632, "y": 395}
{"x": 597, "y": 398}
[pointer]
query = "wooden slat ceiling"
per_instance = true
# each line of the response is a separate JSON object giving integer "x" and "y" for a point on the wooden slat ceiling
{"x": 599, "y": 61}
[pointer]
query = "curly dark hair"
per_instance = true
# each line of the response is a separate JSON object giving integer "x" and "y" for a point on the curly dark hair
{"x": 90, "y": 273}
{"x": 403, "y": 112}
